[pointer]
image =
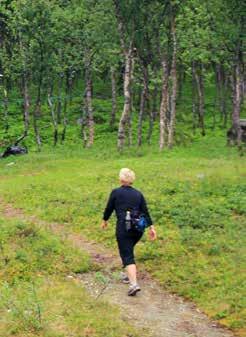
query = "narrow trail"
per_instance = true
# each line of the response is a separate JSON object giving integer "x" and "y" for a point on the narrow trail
{"x": 162, "y": 314}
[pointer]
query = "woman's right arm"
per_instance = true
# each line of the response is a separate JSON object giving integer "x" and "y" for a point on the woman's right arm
{"x": 108, "y": 210}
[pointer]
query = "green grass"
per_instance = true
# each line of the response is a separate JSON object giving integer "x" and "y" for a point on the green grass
{"x": 37, "y": 298}
{"x": 53, "y": 307}
{"x": 28, "y": 249}
{"x": 196, "y": 196}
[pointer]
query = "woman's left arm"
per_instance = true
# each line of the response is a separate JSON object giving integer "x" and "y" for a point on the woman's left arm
{"x": 144, "y": 209}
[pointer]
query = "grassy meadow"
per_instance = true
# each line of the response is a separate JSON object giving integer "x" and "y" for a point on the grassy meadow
{"x": 38, "y": 296}
{"x": 197, "y": 199}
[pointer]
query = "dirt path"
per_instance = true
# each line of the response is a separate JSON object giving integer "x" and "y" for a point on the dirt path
{"x": 161, "y": 313}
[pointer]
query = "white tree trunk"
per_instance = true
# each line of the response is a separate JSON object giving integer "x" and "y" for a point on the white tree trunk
{"x": 114, "y": 97}
{"x": 88, "y": 100}
{"x": 164, "y": 103}
{"x": 174, "y": 86}
{"x": 127, "y": 100}
{"x": 144, "y": 96}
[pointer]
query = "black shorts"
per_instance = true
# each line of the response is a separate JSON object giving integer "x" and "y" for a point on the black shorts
{"x": 126, "y": 243}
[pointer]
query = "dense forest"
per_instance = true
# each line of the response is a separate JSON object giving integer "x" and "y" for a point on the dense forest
{"x": 146, "y": 58}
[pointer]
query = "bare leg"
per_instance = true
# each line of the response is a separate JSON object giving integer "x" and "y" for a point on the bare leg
{"x": 132, "y": 273}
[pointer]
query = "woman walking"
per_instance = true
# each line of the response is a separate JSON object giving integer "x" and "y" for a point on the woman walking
{"x": 129, "y": 204}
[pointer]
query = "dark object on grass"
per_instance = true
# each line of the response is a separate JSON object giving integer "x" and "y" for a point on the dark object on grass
{"x": 232, "y": 134}
{"x": 14, "y": 150}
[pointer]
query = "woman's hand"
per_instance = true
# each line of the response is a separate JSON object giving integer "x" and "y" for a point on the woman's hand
{"x": 152, "y": 233}
{"x": 104, "y": 224}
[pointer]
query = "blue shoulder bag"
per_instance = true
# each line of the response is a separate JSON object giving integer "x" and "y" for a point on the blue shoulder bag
{"x": 138, "y": 221}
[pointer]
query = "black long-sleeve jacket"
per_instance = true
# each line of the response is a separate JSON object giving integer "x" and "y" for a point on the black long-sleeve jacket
{"x": 122, "y": 199}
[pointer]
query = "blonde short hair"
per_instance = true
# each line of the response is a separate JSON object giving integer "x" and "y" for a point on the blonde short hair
{"x": 127, "y": 176}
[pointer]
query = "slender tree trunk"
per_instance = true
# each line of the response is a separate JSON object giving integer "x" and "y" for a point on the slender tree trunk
{"x": 151, "y": 121}
{"x": 151, "y": 125}
{"x": 88, "y": 99}
{"x": 6, "y": 110}
{"x": 143, "y": 100}
{"x": 231, "y": 89}
{"x": 83, "y": 122}
{"x": 200, "y": 91}
{"x": 53, "y": 117}
{"x": 174, "y": 86}
{"x": 127, "y": 49}
{"x": 181, "y": 81}
{"x": 224, "y": 100}
{"x": 129, "y": 128}
{"x": 59, "y": 101}
{"x": 129, "y": 124}
{"x": 237, "y": 101}
{"x": 83, "y": 126}
{"x": 36, "y": 114}
{"x": 24, "y": 91}
{"x": 65, "y": 122}
{"x": 114, "y": 97}
{"x": 84, "y": 135}
{"x": 37, "y": 108}
{"x": 243, "y": 82}
{"x": 127, "y": 100}
{"x": 219, "y": 89}
{"x": 154, "y": 99}
{"x": 140, "y": 116}
{"x": 153, "y": 108}
{"x": 164, "y": 103}
{"x": 194, "y": 99}
{"x": 221, "y": 92}
{"x": 67, "y": 99}
{"x": 26, "y": 103}
{"x": 217, "y": 95}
